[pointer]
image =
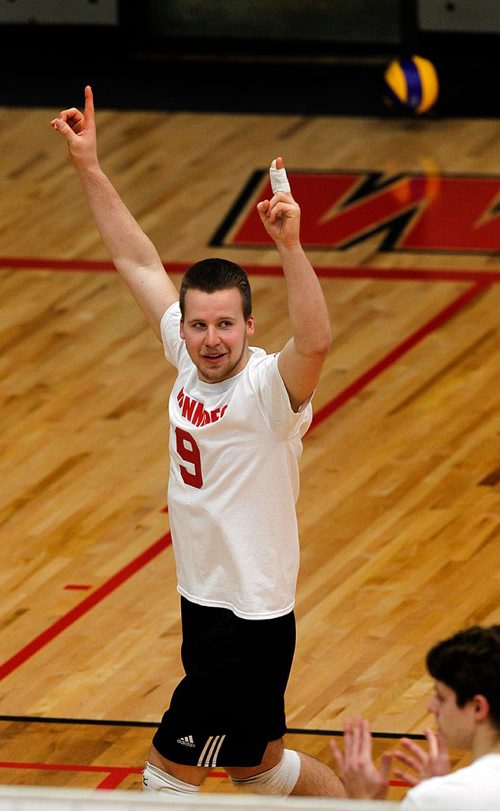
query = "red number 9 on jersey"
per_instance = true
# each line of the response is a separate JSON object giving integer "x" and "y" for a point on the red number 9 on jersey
{"x": 189, "y": 452}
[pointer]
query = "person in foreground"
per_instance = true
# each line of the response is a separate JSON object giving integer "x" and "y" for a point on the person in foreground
{"x": 237, "y": 418}
{"x": 466, "y": 704}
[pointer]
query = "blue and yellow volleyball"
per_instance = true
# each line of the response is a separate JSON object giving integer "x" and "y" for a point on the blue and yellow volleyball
{"x": 411, "y": 83}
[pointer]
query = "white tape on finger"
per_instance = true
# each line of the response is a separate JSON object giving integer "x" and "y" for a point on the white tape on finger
{"x": 279, "y": 180}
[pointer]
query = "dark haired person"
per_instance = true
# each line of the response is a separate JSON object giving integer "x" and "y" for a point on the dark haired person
{"x": 237, "y": 417}
{"x": 466, "y": 705}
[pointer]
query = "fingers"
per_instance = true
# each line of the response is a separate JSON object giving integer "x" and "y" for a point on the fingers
{"x": 385, "y": 766}
{"x": 337, "y": 756}
{"x": 76, "y": 120}
{"x": 350, "y": 740}
{"x": 424, "y": 763}
{"x": 433, "y": 743}
{"x": 439, "y": 759}
{"x": 68, "y": 122}
{"x": 89, "y": 105}
{"x": 65, "y": 129}
{"x": 277, "y": 177}
{"x": 278, "y": 210}
{"x": 365, "y": 737}
{"x": 356, "y": 765}
{"x": 416, "y": 751}
{"x": 417, "y": 759}
{"x": 71, "y": 117}
{"x": 407, "y": 777}
{"x": 281, "y": 209}
{"x": 441, "y": 744}
{"x": 412, "y": 762}
{"x": 72, "y": 114}
{"x": 444, "y": 755}
{"x": 354, "y": 733}
{"x": 358, "y": 739}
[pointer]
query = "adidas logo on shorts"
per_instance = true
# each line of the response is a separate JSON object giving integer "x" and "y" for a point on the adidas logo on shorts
{"x": 187, "y": 741}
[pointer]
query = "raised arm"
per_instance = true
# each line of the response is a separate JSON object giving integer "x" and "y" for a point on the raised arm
{"x": 301, "y": 360}
{"x": 134, "y": 255}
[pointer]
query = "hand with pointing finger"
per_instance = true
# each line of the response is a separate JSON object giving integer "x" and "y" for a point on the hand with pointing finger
{"x": 79, "y": 131}
{"x": 281, "y": 214}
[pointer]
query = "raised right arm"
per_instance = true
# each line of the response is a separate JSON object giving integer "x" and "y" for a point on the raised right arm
{"x": 134, "y": 255}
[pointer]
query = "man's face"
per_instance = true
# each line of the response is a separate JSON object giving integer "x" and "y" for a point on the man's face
{"x": 216, "y": 333}
{"x": 455, "y": 723}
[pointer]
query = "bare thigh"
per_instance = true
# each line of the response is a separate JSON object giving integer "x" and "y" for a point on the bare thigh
{"x": 194, "y": 775}
{"x": 272, "y": 756}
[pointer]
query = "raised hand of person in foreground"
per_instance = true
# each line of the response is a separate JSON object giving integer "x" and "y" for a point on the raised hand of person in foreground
{"x": 356, "y": 768}
{"x": 425, "y": 763}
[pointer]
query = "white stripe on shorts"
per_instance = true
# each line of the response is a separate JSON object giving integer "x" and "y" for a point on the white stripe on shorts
{"x": 214, "y": 762}
{"x": 210, "y": 751}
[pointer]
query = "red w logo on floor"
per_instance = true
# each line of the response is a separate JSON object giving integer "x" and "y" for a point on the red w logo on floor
{"x": 410, "y": 212}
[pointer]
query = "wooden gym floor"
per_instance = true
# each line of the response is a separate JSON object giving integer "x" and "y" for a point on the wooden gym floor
{"x": 400, "y": 503}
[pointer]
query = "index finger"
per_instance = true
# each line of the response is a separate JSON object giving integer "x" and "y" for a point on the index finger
{"x": 443, "y": 749}
{"x": 89, "y": 104}
{"x": 337, "y": 755}
{"x": 278, "y": 177}
{"x": 414, "y": 748}
{"x": 433, "y": 742}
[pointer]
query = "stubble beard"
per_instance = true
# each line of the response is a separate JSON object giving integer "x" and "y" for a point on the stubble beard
{"x": 219, "y": 375}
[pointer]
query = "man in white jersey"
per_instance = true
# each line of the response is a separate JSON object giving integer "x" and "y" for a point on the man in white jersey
{"x": 237, "y": 417}
{"x": 466, "y": 703}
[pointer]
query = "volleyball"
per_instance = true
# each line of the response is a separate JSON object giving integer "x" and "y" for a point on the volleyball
{"x": 411, "y": 83}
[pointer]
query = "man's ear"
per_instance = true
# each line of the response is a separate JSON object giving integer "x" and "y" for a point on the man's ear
{"x": 250, "y": 325}
{"x": 481, "y": 707}
{"x": 181, "y": 328}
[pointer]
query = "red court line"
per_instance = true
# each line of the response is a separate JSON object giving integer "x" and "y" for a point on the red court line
{"x": 115, "y": 775}
{"x": 115, "y": 778}
{"x": 382, "y": 274}
{"x": 84, "y": 607}
{"x": 395, "y": 354}
{"x": 41, "y": 263}
{"x": 343, "y": 397}
{"x": 402, "y": 274}
{"x": 67, "y": 767}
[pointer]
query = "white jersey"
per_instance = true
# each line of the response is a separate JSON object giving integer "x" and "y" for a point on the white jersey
{"x": 474, "y": 788}
{"x": 234, "y": 482}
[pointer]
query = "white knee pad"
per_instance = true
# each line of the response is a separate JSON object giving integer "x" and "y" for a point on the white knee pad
{"x": 154, "y": 779}
{"x": 279, "y": 780}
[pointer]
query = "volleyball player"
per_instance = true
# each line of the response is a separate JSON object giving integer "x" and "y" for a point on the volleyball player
{"x": 237, "y": 418}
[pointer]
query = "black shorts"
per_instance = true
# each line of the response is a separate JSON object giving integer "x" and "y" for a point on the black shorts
{"x": 230, "y": 703}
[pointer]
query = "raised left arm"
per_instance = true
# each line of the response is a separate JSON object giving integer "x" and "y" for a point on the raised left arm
{"x": 302, "y": 358}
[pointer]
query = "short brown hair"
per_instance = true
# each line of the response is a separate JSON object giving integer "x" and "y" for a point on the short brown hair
{"x": 214, "y": 274}
{"x": 469, "y": 663}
